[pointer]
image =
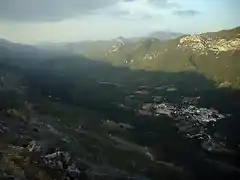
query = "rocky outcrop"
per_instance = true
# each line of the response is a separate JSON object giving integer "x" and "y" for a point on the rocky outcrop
{"x": 202, "y": 44}
{"x": 120, "y": 42}
{"x": 151, "y": 56}
{"x": 58, "y": 160}
{"x": 34, "y": 147}
{"x": 3, "y": 128}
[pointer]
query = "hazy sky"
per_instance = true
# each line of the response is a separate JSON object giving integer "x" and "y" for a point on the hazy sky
{"x": 33, "y": 21}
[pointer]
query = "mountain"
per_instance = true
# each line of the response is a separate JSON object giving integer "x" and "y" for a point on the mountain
{"x": 86, "y": 47}
{"x": 215, "y": 55}
{"x": 165, "y": 35}
{"x": 82, "y": 47}
{"x": 19, "y": 54}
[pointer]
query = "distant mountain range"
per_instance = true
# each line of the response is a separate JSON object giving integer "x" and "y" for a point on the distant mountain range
{"x": 84, "y": 47}
{"x": 162, "y": 35}
{"x": 214, "y": 54}
{"x": 15, "y": 49}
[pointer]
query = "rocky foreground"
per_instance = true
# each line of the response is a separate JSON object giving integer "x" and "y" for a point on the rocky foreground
{"x": 34, "y": 147}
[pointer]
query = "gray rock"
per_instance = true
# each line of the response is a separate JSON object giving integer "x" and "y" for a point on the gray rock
{"x": 73, "y": 172}
{"x": 3, "y": 128}
{"x": 34, "y": 147}
{"x": 57, "y": 159}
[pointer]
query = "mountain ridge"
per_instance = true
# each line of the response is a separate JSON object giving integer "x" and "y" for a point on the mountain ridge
{"x": 82, "y": 47}
{"x": 213, "y": 54}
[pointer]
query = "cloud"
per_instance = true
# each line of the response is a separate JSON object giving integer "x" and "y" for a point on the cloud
{"x": 58, "y": 10}
{"x": 48, "y": 10}
{"x": 138, "y": 9}
{"x": 157, "y": 3}
{"x": 186, "y": 13}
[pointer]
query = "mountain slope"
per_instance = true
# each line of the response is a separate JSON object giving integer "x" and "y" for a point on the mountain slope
{"x": 215, "y": 54}
{"x": 16, "y": 48}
